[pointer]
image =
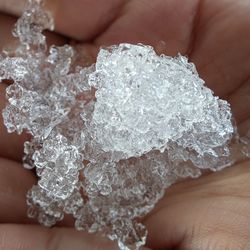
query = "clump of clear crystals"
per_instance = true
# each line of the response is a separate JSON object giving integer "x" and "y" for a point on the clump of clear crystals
{"x": 108, "y": 139}
{"x": 154, "y": 101}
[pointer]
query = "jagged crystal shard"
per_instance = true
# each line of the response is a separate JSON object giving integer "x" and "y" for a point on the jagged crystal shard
{"x": 144, "y": 101}
{"x": 31, "y": 24}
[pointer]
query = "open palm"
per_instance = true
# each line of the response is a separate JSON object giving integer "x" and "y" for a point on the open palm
{"x": 212, "y": 212}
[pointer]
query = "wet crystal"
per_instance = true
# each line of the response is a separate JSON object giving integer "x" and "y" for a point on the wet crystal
{"x": 155, "y": 100}
{"x": 107, "y": 140}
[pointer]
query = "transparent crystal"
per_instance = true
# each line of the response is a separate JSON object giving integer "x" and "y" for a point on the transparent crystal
{"x": 155, "y": 100}
{"x": 30, "y": 25}
{"x": 107, "y": 140}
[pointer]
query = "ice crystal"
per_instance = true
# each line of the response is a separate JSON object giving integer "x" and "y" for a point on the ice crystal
{"x": 154, "y": 100}
{"x": 108, "y": 139}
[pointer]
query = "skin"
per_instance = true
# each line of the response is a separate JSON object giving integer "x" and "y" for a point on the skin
{"x": 209, "y": 213}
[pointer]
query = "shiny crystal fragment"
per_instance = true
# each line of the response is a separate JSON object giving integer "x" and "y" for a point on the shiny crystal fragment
{"x": 60, "y": 163}
{"x": 144, "y": 101}
{"x": 30, "y": 25}
{"x": 15, "y": 68}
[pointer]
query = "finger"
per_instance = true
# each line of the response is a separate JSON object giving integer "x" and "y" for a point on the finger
{"x": 12, "y": 6}
{"x": 244, "y": 128}
{"x": 195, "y": 211}
{"x": 30, "y": 237}
{"x": 7, "y": 41}
{"x": 6, "y": 25}
{"x": 79, "y": 19}
{"x": 240, "y": 102}
{"x": 153, "y": 22}
{"x": 220, "y": 47}
{"x": 14, "y": 184}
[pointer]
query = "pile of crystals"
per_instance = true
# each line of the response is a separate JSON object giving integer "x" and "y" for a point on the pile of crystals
{"x": 108, "y": 139}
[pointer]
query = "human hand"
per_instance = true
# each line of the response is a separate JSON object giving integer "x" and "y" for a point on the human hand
{"x": 209, "y": 213}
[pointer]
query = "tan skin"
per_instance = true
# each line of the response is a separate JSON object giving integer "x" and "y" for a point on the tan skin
{"x": 210, "y": 213}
